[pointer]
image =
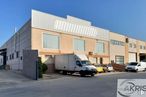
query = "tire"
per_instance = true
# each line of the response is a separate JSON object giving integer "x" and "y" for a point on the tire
{"x": 136, "y": 70}
{"x": 82, "y": 74}
{"x": 92, "y": 74}
{"x": 144, "y": 70}
{"x": 64, "y": 72}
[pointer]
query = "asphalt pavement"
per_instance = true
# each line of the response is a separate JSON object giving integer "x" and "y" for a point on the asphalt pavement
{"x": 70, "y": 86}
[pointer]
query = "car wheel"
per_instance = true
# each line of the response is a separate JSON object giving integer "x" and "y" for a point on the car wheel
{"x": 145, "y": 69}
{"x": 64, "y": 72}
{"x": 92, "y": 74}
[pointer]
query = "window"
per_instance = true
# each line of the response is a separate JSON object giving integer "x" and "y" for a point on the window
{"x": 21, "y": 58}
{"x": 12, "y": 56}
{"x": 100, "y": 48}
{"x": 119, "y": 60}
{"x": 130, "y": 45}
{"x": 17, "y": 54}
{"x": 50, "y": 41}
{"x": 144, "y": 47}
{"x": 134, "y": 45}
{"x": 79, "y": 44}
{"x": 7, "y": 58}
{"x": 140, "y": 46}
{"x": 78, "y": 63}
{"x": 115, "y": 42}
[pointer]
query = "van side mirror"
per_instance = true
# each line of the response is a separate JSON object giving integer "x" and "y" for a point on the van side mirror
{"x": 139, "y": 65}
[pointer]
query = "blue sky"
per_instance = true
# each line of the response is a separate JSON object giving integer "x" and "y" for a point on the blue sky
{"x": 127, "y": 17}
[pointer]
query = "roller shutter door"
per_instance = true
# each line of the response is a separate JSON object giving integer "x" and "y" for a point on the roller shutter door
{"x": 132, "y": 57}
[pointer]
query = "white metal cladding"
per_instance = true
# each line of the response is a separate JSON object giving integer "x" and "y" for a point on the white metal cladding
{"x": 50, "y": 22}
{"x": 81, "y": 30}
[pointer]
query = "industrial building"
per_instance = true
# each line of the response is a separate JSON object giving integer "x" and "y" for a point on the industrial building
{"x": 52, "y": 35}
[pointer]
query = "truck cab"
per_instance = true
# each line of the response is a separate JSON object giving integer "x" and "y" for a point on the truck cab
{"x": 85, "y": 68}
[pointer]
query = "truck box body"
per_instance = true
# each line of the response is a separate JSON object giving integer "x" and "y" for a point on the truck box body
{"x": 68, "y": 63}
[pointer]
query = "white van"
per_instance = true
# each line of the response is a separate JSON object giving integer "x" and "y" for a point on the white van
{"x": 71, "y": 63}
{"x": 135, "y": 66}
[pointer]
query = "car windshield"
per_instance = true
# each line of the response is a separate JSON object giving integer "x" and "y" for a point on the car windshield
{"x": 86, "y": 62}
{"x": 98, "y": 65}
{"x": 109, "y": 65}
{"x": 133, "y": 63}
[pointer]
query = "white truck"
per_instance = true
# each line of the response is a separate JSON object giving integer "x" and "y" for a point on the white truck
{"x": 135, "y": 66}
{"x": 71, "y": 63}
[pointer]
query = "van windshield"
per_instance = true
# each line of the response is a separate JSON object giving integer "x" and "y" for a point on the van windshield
{"x": 86, "y": 62}
{"x": 133, "y": 63}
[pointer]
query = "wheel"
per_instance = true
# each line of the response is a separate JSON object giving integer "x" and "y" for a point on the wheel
{"x": 64, "y": 72}
{"x": 92, "y": 74}
{"x": 82, "y": 74}
{"x": 126, "y": 70}
{"x": 144, "y": 70}
{"x": 136, "y": 70}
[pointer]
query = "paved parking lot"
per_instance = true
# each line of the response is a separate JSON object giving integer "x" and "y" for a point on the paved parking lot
{"x": 71, "y": 86}
{"x": 11, "y": 78}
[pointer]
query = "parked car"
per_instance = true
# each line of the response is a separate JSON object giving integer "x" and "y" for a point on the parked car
{"x": 71, "y": 63}
{"x": 108, "y": 68}
{"x": 135, "y": 66}
{"x": 99, "y": 68}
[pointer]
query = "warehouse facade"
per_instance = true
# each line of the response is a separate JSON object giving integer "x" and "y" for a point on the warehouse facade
{"x": 52, "y": 35}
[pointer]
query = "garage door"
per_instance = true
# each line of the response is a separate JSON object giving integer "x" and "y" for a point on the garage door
{"x": 132, "y": 57}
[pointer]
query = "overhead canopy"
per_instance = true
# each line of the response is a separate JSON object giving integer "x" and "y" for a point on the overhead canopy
{"x": 142, "y": 54}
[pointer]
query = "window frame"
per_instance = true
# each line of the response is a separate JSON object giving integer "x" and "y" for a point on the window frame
{"x": 59, "y": 41}
{"x": 96, "y": 51}
{"x": 74, "y": 44}
{"x": 119, "y": 56}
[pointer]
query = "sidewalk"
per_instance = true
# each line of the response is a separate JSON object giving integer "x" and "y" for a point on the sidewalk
{"x": 10, "y": 78}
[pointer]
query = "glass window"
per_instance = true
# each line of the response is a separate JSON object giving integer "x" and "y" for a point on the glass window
{"x": 130, "y": 45}
{"x": 140, "y": 46}
{"x": 78, "y": 63}
{"x": 134, "y": 45}
{"x": 12, "y": 56}
{"x": 17, "y": 54}
{"x": 50, "y": 41}
{"x": 100, "y": 48}
{"x": 115, "y": 42}
{"x": 119, "y": 60}
{"x": 144, "y": 47}
{"x": 79, "y": 44}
